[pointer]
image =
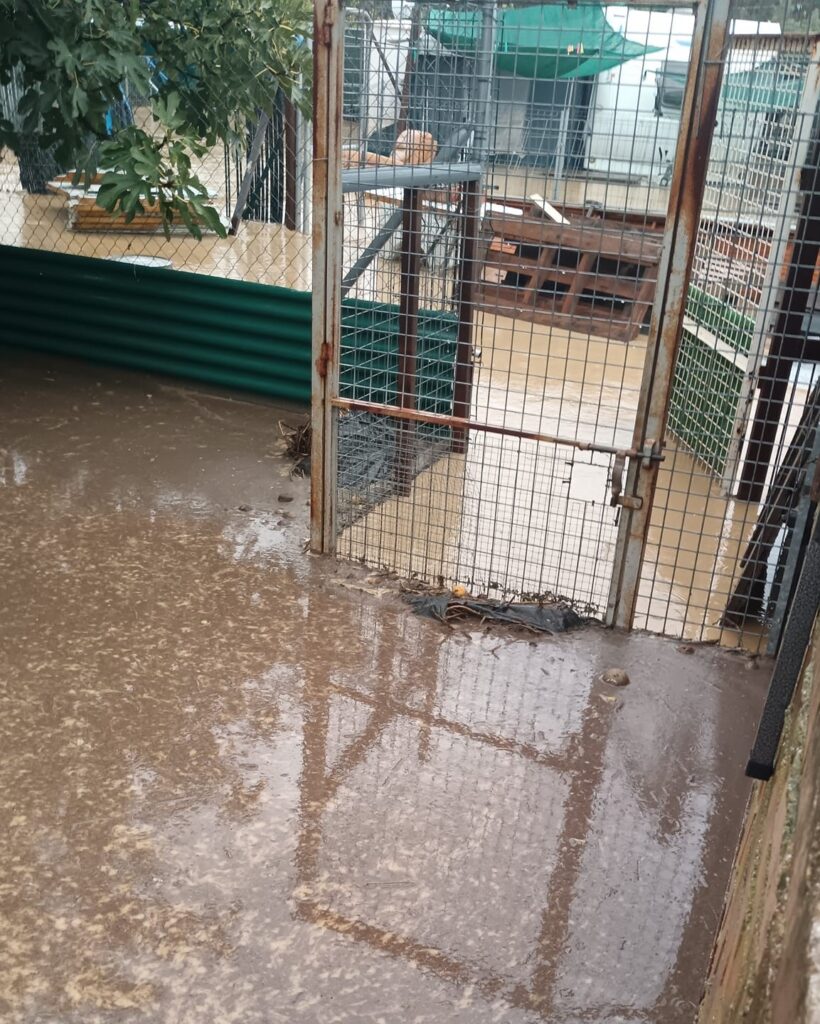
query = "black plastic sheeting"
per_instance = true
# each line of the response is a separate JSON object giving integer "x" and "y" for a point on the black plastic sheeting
{"x": 538, "y": 618}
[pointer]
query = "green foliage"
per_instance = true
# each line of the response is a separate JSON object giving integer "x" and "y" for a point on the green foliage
{"x": 206, "y": 66}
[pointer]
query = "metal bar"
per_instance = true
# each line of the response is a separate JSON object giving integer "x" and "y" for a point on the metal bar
{"x": 463, "y": 388}
{"x": 433, "y": 175}
{"x": 485, "y": 73}
{"x": 563, "y": 142}
{"x": 250, "y": 168}
{"x": 460, "y": 423}
{"x": 806, "y": 507}
{"x": 698, "y": 119}
{"x": 372, "y": 251}
{"x": 289, "y": 163}
{"x": 409, "y": 67}
{"x": 381, "y": 55}
{"x": 391, "y": 226}
{"x": 408, "y": 335}
{"x": 796, "y": 639}
{"x": 327, "y": 250}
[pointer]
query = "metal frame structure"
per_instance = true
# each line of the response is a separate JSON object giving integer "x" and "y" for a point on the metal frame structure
{"x": 523, "y": 263}
{"x": 768, "y": 312}
{"x": 688, "y": 184}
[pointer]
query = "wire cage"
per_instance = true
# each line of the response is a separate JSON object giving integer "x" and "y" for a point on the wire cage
{"x": 498, "y": 357}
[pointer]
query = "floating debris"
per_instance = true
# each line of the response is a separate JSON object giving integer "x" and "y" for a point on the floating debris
{"x": 557, "y": 617}
{"x": 297, "y": 445}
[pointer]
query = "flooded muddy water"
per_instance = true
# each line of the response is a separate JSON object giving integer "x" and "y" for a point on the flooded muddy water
{"x": 242, "y": 784}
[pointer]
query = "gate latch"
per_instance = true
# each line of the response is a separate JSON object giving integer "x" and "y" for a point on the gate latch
{"x": 618, "y": 497}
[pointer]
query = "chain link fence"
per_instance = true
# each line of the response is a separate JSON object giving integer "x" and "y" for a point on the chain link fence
{"x": 261, "y": 188}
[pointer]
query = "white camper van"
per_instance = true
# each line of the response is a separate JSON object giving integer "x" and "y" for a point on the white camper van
{"x": 634, "y": 118}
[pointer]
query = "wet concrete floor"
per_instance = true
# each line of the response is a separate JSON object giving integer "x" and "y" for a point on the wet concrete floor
{"x": 242, "y": 784}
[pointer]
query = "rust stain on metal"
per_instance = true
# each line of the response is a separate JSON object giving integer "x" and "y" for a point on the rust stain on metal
{"x": 461, "y": 423}
{"x": 685, "y": 201}
{"x": 323, "y": 359}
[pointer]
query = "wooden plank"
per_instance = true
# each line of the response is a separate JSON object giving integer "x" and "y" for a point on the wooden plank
{"x": 597, "y": 326}
{"x": 526, "y": 304}
{"x": 570, "y": 298}
{"x": 635, "y": 246}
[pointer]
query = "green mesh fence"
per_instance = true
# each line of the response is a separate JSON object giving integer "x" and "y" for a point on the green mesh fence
{"x": 705, "y": 395}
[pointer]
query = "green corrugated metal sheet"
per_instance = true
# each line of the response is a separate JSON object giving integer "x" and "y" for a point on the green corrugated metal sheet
{"x": 223, "y": 332}
{"x": 227, "y": 333}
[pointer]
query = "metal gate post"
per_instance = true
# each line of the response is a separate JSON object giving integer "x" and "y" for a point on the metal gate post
{"x": 328, "y": 79}
{"x": 685, "y": 200}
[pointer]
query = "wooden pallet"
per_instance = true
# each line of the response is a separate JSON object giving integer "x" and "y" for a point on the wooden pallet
{"x": 590, "y": 276}
{"x": 85, "y": 215}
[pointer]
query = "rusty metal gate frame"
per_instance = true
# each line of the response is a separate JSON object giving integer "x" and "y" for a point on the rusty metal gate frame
{"x": 698, "y": 119}
{"x": 635, "y": 495}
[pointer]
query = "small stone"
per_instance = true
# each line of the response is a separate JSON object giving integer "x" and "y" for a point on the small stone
{"x": 244, "y": 508}
{"x": 615, "y": 677}
{"x": 285, "y": 497}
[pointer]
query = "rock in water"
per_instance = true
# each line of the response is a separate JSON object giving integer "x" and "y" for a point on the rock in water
{"x": 615, "y": 677}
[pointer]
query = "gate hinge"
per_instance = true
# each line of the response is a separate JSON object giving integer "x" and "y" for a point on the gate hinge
{"x": 323, "y": 360}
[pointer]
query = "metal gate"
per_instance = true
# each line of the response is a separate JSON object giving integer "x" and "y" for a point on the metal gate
{"x": 494, "y": 340}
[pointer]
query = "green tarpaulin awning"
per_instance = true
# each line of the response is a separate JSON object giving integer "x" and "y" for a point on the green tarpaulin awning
{"x": 548, "y": 42}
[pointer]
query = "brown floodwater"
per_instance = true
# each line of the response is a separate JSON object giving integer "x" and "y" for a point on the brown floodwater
{"x": 242, "y": 784}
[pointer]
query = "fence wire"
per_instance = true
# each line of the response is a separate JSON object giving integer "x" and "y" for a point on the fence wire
{"x": 529, "y": 315}
{"x": 508, "y": 173}
{"x": 261, "y": 189}
{"x": 744, "y": 409}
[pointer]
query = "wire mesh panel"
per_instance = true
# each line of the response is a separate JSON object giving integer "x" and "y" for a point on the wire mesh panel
{"x": 499, "y": 361}
{"x": 744, "y": 407}
{"x": 493, "y": 337}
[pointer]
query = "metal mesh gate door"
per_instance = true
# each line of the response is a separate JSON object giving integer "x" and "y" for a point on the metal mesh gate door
{"x": 490, "y": 385}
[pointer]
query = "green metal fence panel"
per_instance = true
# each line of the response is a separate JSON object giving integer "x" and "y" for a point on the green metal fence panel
{"x": 223, "y": 332}
{"x": 370, "y": 355}
{"x": 705, "y": 395}
{"x": 227, "y": 333}
{"x": 708, "y": 377}
{"x": 732, "y": 327}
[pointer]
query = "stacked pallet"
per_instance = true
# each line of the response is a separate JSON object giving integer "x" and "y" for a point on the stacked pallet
{"x": 596, "y": 275}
